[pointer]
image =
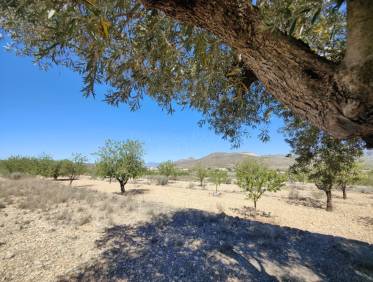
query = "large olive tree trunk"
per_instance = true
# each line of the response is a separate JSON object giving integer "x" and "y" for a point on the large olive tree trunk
{"x": 337, "y": 98}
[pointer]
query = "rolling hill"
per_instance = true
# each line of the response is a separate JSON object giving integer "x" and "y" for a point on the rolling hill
{"x": 229, "y": 160}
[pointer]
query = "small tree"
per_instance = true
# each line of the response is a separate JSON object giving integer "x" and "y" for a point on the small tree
{"x": 201, "y": 172}
{"x": 349, "y": 174}
{"x": 321, "y": 156}
{"x": 74, "y": 167}
{"x": 167, "y": 168}
{"x": 121, "y": 160}
{"x": 255, "y": 180}
{"x": 57, "y": 169}
{"x": 218, "y": 177}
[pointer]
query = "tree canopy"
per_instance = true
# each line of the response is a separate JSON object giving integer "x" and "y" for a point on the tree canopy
{"x": 194, "y": 55}
{"x": 121, "y": 160}
{"x": 326, "y": 161}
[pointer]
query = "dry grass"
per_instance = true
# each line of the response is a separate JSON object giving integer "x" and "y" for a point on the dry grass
{"x": 62, "y": 204}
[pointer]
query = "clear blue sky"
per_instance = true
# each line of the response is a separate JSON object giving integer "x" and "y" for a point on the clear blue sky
{"x": 45, "y": 112}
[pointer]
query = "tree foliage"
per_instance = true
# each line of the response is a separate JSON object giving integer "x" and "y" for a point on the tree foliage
{"x": 201, "y": 173}
{"x": 218, "y": 177}
{"x": 167, "y": 169}
{"x": 138, "y": 52}
{"x": 326, "y": 160}
{"x": 121, "y": 160}
{"x": 74, "y": 167}
{"x": 255, "y": 179}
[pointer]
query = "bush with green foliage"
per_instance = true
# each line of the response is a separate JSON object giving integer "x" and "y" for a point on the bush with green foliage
{"x": 255, "y": 179}
{"x": 218, "y": 177}
{"x": 121, "y": 160}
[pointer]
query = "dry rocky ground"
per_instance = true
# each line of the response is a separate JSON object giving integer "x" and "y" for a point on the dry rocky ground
{"x": 179, "y": 232}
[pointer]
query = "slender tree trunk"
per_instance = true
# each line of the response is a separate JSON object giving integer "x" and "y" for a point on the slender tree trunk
{"x": 337, "y": 98}
{"x": 329, "y": 206}
{"x": 255, "y": 208}
{"x": 201, "y": 180}
{"x": 71, "y": 181}
{"x": 122, "y": 183}
{"x": 122, "y": 189}
{"x": 344, "y": 192}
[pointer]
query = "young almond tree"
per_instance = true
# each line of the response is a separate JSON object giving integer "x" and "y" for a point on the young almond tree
{"x": 218, "y": 177}
{"x": 321, "y": 156}
{"x": 167, "y": 169}
{"x": 201, "y": 172}
{"x": 74, "y": 167}
{"x": 121, "y": 160}
{"x": 256, "y": 179}
{"x": 350, "y": 174}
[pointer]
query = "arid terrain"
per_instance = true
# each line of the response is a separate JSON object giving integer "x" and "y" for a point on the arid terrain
{"x": 180, "y": 232}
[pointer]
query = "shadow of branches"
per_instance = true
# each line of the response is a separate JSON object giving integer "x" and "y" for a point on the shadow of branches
{"x": 192, "y": 245}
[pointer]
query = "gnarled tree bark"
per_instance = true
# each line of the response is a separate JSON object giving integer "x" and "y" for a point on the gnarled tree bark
{"x": 337, "y": 98}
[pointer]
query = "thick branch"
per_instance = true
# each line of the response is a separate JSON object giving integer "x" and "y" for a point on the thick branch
{"x": 314, "y": 88}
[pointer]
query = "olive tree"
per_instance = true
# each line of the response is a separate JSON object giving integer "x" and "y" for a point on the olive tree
{"x": 121, "y": 160}
{"x": 232, "y": 60}
{"x": 218, "y": 176}
{"x": 255, "y": 179}
{"x": 201, "y": 173}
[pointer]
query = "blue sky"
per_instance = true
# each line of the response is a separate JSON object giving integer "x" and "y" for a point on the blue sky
{"x": 45, "y": 112}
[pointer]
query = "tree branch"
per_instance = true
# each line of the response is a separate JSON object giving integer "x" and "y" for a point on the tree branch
{"x": 314, "y": 88}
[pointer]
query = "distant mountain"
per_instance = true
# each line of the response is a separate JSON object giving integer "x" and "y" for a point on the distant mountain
{"x": 230, "y": 160}
{"x": 151, "y": 164}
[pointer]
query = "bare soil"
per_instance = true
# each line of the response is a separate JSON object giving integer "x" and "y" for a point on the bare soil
{"x": 180, "y": 232}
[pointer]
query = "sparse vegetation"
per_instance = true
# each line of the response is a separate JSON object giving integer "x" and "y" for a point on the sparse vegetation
{"x": 255, "y": 180}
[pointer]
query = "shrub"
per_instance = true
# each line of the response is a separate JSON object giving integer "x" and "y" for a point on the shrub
{"x": 161, "y": 180}
{"x": 316, "y": 194}
{"x": 293, "y": 194}
{"x": 15, "y": 175}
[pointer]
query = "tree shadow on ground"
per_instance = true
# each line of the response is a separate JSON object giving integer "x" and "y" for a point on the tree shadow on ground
{"x": 192, "y": 245}
{"x": 133, "y": 192}
{"x": 307, "y": 202}
{"x": 366, "y": 220}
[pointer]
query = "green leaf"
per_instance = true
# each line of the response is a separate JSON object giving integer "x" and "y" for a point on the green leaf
{"x": 293, "y": 26}
{"x": 316, "y": 16}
